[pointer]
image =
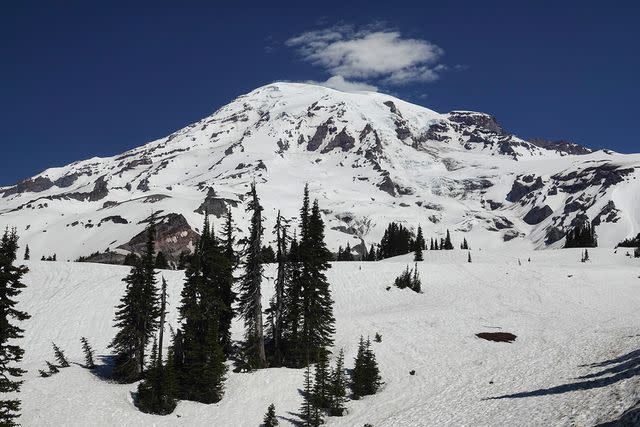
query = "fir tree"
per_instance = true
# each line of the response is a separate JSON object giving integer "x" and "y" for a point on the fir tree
{"x": 278, "y": 301}
{"x": 161, "y": 261}
{"x": 420, "y": 243}
{"x": 317, "y": 305}
{"x": 27, "y": 256}
{"x": 469, "y": 257}
{"x": 447, "y": 242}
{"x": 10, "y": 352}
{"x": 43, "y": 374}
{"x": 227, "y": 295}
{"x": 417, "y": 254}
{"x": 270, "y": 419}
{"x": 464, "y": 245}
{"x": 197, "y": 352}
{"x": 321, "y": 382}
{"x": 309, "y": 412}
{"x": 416, "y": 285}
{"x": 636, "y": 253}
{"x": 53, "y": 369}
{"x": 250, "y": 289}
{"x": 293, "y": 354}
{"x": 267, "y": 255}
{"x": 130, "y": 259}
{"x": 366, "y": 375}
{"x": 582, "y": 235}
{"x": 137, "y": 314}
{"x": 405, "y": 280}
{"x": 432, "y": 246}
{"x": 338, "y": 387}
{"x": 371, "y": 255}
{"x": 60, "y": 357}
{"x": 88, "y": 353}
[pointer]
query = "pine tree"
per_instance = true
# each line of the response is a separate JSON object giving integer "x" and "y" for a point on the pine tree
{"x": 469, "y": 257}
{"x": 27, "y": 256}
{"x": 358, "y": 375}
{"x": 270, "y": 419}
{"x": 60, "y": 357}
{"x": 432, "y": 246}
{"x": 267, "y": 255}
{"x": 10, "y": 352}
{"x": 464, "y": 245}
{"x": 43, "y": 374}
{"x": 405, "y": 279}
{"x": 338, "y": 387}
{"x": 420, "y": 242}
{"x": 250, "y": 289}
{"x": 88, "y": 353}
{"x": 137, "y": 314}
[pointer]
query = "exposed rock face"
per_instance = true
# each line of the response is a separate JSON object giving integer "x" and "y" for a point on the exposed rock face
{"x": 537, "y": 214}
{"x": 561, "y": 146}
{"x": 480, "y": 120}
{"x": 609, "y": 213}
{"x": 215, "y": 205}
{"x": 34, "y": 185}
{"x": 605, "y": 175}
{"x": 342, "y": 140}
{"x": 173, "y": 235}
{"x": 520, "y": 189}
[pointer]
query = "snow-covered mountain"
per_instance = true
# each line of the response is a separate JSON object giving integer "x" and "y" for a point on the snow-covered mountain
{"x": 369, "y": 158}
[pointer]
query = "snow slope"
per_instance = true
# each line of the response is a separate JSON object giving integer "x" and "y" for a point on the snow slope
{"x": 575, "y": 359}
{"x": 369, "y": 158}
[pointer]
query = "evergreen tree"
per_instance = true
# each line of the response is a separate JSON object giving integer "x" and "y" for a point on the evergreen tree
{"x": 250, "y": 289}
{"x": 60, "y": 357}
{"x": 636, "y": 253}
{"x": 348, "y": 254}
{"x": 405, "y": 280}
{"x": 197, "y": 353}
{"x": 582, "y": 235}
{"x": 371, "y": 255}
{"x": 340, "y": 255}
{"x": 161, "y": 261}
{"x": 432, "y": 246}
{"x": 417, "y": 255}
{"x": 267, "y": 255}
{"x": 447, "y": 242}
{"x": 157, "y": 393}
{"x": 469, "y": 257}
{"x": 464, "y": 245}
{"x": 53, "y": 369}
{"x": 27, "y": 256}
{"x": 317, "y": 305}
{"x": 227, "y": 295}
{"x": 293, "y": 354}
{"x": 270, "y": 419}
{"x": 321, "y": 383}
{"x": 278, "y": 301}
{"x": 419, "y": 243}
{"x": 10, "y": 352}
{"x": 416, "y": 285}
{"x": 397, "y": 240}
{"x": 366, "y": 375}
{"x": 338, "y": 388}
{"x": 309, "y": 412}
{"x": 88, "y": 353}
{"x": 43, "y": 374}
{"x": 130, "y": 259}
{"x": 137, "y": 314}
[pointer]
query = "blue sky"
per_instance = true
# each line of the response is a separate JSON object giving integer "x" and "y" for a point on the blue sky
{"x": 97, "y": 78}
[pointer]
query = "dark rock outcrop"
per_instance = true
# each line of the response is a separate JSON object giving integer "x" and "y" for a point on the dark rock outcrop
{"x": 537, "y": 214}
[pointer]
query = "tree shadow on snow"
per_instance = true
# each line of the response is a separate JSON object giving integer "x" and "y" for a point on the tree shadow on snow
{"x": 104, "y": 367}
{"x": 618, "y": 369}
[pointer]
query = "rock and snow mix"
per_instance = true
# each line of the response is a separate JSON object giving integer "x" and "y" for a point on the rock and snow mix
{"x": 370, "y": 158}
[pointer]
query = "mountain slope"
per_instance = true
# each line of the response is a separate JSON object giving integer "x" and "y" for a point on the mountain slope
{"x": 368, "y": 157}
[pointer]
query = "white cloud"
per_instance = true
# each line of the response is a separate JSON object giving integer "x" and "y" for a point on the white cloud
{"x": 374, "y": 53}
{"x": 339, "y": 83}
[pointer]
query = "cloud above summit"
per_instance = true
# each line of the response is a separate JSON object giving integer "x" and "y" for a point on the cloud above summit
{"x": 377, "y": 55}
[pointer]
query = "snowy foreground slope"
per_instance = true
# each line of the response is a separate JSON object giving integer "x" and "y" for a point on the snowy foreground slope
{"x": 575, "y": 360}
{"x": 369, "y": 158}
